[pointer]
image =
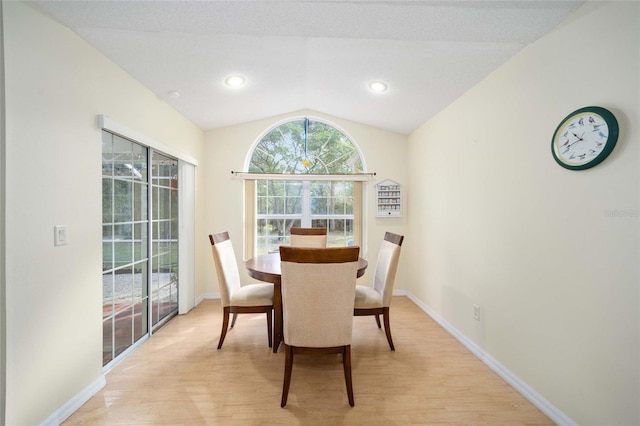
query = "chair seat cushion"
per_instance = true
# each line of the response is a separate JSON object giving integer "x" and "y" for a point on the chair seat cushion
{"x": 367, "y": 297}
{"x": 253, "y": 295}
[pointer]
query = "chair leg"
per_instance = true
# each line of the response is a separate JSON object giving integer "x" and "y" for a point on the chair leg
{"x": 288, "y": 365}
{"x": 387, "y": 328}
{"x": 346, "y": 362}
{"x": 378, "y": 320}
{"x": 225, "y": 325}
{"x": 270, "y": 326}
{"x": 235, "y": 317}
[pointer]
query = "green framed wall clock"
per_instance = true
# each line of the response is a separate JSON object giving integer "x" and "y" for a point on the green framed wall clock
{"x": 584, "y": 138}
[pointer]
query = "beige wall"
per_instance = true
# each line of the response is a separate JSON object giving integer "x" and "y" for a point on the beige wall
{"x": 550, "y": 255}
{"x": 226, "y": 149}
{"x": 56, "y": 86}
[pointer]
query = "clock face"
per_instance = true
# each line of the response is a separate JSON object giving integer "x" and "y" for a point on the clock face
{"x": 584, "y": 138}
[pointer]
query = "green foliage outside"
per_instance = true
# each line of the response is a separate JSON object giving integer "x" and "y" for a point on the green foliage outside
{"x": 326, "y": 151}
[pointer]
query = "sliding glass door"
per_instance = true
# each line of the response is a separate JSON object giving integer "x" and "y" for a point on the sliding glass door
{"x": 164, "y": 231}
{"x": 139, "y": 242}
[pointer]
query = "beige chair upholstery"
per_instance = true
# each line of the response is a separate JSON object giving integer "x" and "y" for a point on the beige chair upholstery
{"x": 235, "y": 298}
{"x": 377, "y": 299}
{"x": 308, "y": 237}
{"x": 318, "y": 293}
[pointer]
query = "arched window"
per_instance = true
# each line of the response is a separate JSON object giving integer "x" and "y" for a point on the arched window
{"x": 305, "y": 147}
{"x": 303, "y": 173}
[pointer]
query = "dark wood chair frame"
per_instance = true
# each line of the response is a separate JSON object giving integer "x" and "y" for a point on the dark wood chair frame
{"x": 235, "y": 310}
{"x": 306, "y": 255}
{"x": 384, "y": 311}
{"x": 288, "y": 367}
{"x": 308, "y": 231}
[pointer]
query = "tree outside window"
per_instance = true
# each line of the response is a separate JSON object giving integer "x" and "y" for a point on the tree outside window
{"x": 304, "y": 147}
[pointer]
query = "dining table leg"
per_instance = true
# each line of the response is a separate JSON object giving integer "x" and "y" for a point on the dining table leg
{"x": 277, "y": 317}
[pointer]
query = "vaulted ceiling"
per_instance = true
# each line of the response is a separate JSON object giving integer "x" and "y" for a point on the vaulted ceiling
{"x": 310, "y": 54}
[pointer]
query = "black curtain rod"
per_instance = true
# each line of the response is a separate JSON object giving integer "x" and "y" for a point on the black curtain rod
{"x": 304, "y": 174}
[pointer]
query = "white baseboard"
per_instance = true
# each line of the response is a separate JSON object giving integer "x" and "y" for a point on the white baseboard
{"x": 535, "y": 398}
{"x": 207, "y": 296}
{"x": 64, "y": 412}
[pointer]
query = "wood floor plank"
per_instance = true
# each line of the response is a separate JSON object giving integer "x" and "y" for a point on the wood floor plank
{"x": 178, "y": 377}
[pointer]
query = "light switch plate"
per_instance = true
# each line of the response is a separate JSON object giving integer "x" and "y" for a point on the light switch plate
{"x": 60, "y": 235}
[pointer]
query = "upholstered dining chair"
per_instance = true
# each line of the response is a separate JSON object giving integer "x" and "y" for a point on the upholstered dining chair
{"x": 308, "y": 237}
{"x": 236, "y": 298}
{"x": 318, "y": 291}
{"x": 376, "y": 300}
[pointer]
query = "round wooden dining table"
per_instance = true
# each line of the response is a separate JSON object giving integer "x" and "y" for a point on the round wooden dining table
{"x": 266, "y": 267}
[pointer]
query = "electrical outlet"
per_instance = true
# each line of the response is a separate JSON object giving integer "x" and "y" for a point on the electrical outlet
{"x": 476, "y": 312}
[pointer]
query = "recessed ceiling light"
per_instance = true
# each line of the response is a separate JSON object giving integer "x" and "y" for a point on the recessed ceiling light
{"x": 234, "y": 80}
{"x": 378, "y": 86}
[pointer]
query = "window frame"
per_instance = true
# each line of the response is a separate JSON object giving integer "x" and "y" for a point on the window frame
{"x": 250, "y": 190}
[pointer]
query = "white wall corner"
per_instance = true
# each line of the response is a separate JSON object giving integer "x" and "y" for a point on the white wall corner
{"x": 514, "y": 381}
{"x": 207, "y": 296}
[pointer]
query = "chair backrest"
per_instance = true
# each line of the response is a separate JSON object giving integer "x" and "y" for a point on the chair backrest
{"x": 226, "y": 266}
{"x": 318, "y": 294}
{"x": 387, "y": 265}
{"x": 308, "y": 237}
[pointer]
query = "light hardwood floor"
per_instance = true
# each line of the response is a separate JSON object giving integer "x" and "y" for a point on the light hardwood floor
{"x": 178, "y": 377}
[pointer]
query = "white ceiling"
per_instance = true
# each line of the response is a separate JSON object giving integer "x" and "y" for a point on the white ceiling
{"x": 310, "y": 54}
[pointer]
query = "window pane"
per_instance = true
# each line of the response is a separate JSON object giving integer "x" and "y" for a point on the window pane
{"x": 276, "y": 205}
{"x": 294, "y": 205}
{"x": 293, "y": 188}
{"x": 107, "y": 295}
{"x": 139, "y": 157}
{"x": 319, "y": 205}
{"x": 294, "y": 197}
{"x": 107, "y": 200}
{"x": 275, "y": 187}
{"x": 123, "y": 244}
{"x": 140, "y": 208}
{"x": 348, "y": 206}
{"x": 107, "y": 247}
{"x": 340, "y": 232}
{"x": 122, "y": 157}
{"x": 139, "y": 281}
{"x": 319, "y": 223}
{"x": 155, "y": 275}
{"x": 336, "y": 205}
{"x": 107, "y": 340}
{"x": 262, "y": 204}
{"x": 320, "y": 189}
{"x": 154, "y": 239}
{"x": 164, "y": 203}
{"x": 140, "y": 241}
{"x": 140, "y": 319}
{"x": 123, "y": 201}
{"x": 261, "y": 188}
{"x": 154, "y": 201}
{"x": 123, "y": 330}
{"x": 123, "y": 289}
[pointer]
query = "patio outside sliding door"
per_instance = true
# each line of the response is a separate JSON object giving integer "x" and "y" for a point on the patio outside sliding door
{"x": 140, "y": 240}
